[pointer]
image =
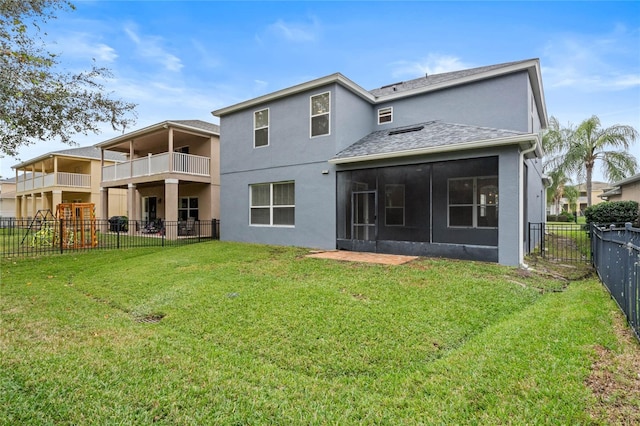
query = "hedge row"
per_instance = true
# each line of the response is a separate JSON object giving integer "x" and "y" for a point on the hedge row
{"x": 613, "y": 212}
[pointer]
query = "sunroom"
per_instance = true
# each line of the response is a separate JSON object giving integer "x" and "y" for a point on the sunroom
{"x": 434, "y": 189}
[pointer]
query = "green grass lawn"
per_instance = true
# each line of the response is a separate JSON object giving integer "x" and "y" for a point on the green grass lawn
{"x": 225, "y": 333}
{"x": 568, "y": 241}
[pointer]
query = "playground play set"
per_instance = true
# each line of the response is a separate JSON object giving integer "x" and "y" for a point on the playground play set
{"x": 73, "y": 226}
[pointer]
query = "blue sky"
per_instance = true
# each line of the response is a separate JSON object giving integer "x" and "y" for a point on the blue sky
{"x": 182, "y": 60}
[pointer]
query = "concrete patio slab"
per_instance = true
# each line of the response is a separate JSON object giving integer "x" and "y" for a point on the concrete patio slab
{"x": 354, "y": 256}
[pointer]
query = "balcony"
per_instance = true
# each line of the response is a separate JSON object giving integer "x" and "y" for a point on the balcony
{"x": 174, "y": 162}
{"x": 38, "y": 181}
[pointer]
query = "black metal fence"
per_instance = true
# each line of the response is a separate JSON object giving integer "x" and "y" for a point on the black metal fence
{"x": 29, "y": 237}
{"x": 568, "y": 242}
{"x": 616, "y": 258}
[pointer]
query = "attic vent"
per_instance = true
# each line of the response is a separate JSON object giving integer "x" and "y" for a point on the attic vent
{"x": 392, "y": 85}
{"x": 407, "y": 130}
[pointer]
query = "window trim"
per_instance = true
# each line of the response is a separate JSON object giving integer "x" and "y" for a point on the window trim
{"x": 188, "y": 209}
{"x": 390, "y": 115}
{"x": 475, "y": 204}
{"x": 271, "y": 205}
{"x": 403, "y": 207}
{"x": 261, "y": 128}
{"x": 312, "y": 116}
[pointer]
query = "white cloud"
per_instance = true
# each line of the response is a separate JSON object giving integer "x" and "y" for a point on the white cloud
{"x": 151, "y": 47}
{"x": 433, "y": 64}
{"x": 206, "y": 59}
{"x": 81, "y": 45}
{"x": 296, "y": 31}
{"x": 593, "y": 62}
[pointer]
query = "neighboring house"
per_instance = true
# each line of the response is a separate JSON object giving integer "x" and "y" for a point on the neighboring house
{"x": 172, "y": 172}
{"x": 443, "y": 165}
{"x": 597, "y": 189}
{"x": 66, "y": 176}
{"x": 8, "y": 198}
{"x": 624, "y": 190}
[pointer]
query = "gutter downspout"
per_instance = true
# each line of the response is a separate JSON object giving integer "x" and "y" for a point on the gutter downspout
{"x": 521, "y": 203}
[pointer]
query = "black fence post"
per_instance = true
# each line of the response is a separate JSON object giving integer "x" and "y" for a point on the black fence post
{"x": 542, "y": 239}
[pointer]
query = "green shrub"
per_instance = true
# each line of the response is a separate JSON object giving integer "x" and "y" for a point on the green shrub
{"x": 612, "y": 212}
{"x": 568, "y": 217}
{"x": 562, "y": 217}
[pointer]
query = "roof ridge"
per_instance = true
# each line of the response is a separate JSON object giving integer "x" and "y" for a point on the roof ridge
{"x": 484, "y": 67}
{"x": 439, "y": 78}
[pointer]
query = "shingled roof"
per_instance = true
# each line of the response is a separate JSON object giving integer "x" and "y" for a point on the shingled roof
{"x": 409, "y": 88}
{"x": 81, "y": 152}
{"x": 200, "y": 124}
{"x": 425, "y": 137}
{"x": 436, "y": 79}
{"x": 91, "y": 152}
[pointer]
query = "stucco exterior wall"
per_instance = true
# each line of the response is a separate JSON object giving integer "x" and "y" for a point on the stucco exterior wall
{"x": 315, "y": 209}
{"x": 292, "y": 155}
{"x": 629, "y": 192}
{"x": 289, "y": 135}
{"x": 498, "y": 102}
{"x": 509, "y": 216}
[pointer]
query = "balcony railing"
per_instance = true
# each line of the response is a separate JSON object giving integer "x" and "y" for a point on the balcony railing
{"x": 73, "y": 180}
{"x": 156, "y": 164}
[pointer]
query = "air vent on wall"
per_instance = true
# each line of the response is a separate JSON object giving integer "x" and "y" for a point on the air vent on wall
{"x": 407, "y": 130}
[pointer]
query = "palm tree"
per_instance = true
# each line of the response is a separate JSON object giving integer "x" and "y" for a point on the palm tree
{"x": 572, "y": 194}
{"x": 555, "y": 192}
{"x": 576, "y": 150}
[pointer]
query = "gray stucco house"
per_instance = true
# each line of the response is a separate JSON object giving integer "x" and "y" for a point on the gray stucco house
{"x": 444, "y": 165}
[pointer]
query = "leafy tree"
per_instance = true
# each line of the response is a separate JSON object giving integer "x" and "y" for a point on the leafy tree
{"x": 575, "y": 150}
{"x": 38, "y": 99}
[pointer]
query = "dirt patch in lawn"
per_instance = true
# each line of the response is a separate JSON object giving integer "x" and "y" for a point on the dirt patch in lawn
{"x": 354, "y": 256}
{"x": 615, "y": 380}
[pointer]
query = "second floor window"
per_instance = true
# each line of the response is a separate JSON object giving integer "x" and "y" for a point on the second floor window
{"x": 320, "y": 111}
{"x": 385, "y": 115}
{"x": 261, "y": 128}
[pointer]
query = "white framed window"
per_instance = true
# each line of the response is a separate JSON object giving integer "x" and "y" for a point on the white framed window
{"x": 320, "y": 114}
{"x": 394, "y": 205}
{"x": 261, "y": 128}
{"x": 385, "y": 115}
{"x": 187, "y": 207}
{"x": 272, "y": 204}
{"x": 472, "y": 202}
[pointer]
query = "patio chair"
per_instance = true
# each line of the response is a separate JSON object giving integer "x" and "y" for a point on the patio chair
{"x": 188, "y": 227}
